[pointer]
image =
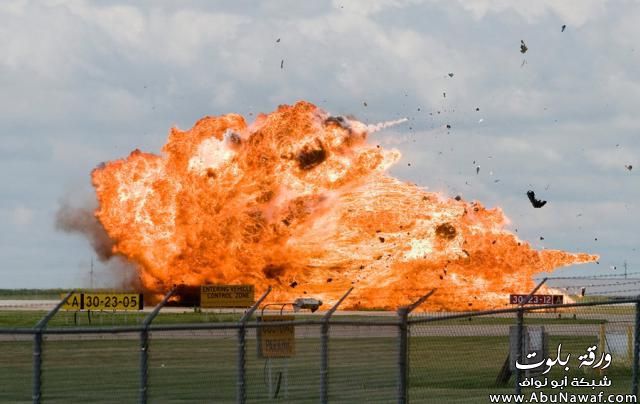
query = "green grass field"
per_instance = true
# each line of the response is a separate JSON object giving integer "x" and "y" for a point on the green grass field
{"x": 29, "y": 318}
{"x": 442, "y": 369}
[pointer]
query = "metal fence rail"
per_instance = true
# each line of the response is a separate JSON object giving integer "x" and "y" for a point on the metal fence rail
{"x": 412, "y": 357}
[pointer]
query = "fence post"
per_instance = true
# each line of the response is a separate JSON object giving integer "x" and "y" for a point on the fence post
{"x": 36, "y": 394}
{"x": 37, "y": 367}
{"x": 403, "y": 354}
{"x": 519, "y": 329}
{"x": 144, "y": 346}
{"x": 403, "y": 346}
{"x": 636, "y": 350}
{"x": 324, "y": 350}
{"x": 241, "y": 387}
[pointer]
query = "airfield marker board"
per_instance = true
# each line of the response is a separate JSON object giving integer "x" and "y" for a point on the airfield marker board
{"x": 226, "y": 296}
{"x": 536, "y": 299}
{"x": 97, "y": 301}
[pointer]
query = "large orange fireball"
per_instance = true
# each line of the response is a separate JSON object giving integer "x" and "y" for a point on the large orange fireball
{"x": 300, "y": 201}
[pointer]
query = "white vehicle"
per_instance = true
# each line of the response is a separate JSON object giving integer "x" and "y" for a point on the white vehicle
{"x": 306, "y": 303}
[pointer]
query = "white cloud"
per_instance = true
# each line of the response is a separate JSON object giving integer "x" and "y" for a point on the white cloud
{"x": 572, "y": 12}
{"x": 22, "y": 216}
{"x": 83, "y": 81}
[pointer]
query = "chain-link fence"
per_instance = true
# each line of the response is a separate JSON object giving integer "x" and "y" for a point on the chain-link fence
{"x": 421, "y": 358}
{"x": 559, "y": 351}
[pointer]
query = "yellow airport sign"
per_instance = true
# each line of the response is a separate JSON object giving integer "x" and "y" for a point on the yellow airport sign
{"x": 103, "y": 301}
{"x": 276, "y": 341}
{"x": 221, "y": 296}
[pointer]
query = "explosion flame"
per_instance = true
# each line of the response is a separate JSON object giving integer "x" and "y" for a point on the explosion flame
{"x": 300, "y": 201}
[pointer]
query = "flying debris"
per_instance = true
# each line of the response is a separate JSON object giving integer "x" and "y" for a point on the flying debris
{"x": 450, "y": 74}
{"x": 563, "y": 27}
{"x": 523, "y": 47}
{"x": 282, "y": 64}
{"x": 278, "y": 40}
{"x": 477, "y": 170}
{"x": 628, "y": 167}
{"x": 536, "y": 203}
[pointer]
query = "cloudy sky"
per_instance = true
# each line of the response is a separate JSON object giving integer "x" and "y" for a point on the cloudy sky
{"x": 85, "y": 82}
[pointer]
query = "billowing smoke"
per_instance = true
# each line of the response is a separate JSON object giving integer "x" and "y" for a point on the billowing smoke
{"x": 82, "y": 220}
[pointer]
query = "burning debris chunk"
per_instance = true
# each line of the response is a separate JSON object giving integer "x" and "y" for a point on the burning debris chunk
{"x": 339, "y": 121}
{"x": 523, "y": 47}
{"x": 446, "y": 231}
{"x": 265, "y": 196}
{"x": 311, "y": 157}
{"x": 293, "y": 284}
{"x": 272, "y": 271}
{"x": 536, "y": 203}
{"x": 233, "y": 139}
